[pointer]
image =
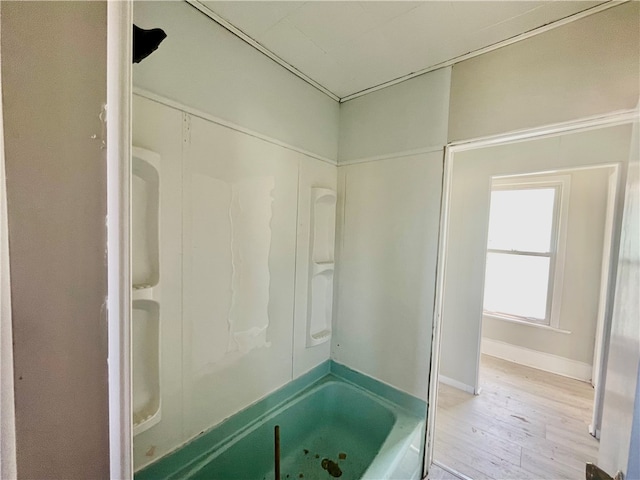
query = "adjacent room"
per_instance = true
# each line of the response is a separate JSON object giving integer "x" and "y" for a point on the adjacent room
{"x": 519, "y": 401}
{"x": 353, "y": 239}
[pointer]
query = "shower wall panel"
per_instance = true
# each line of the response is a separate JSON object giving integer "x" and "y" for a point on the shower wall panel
{"x": 240, "y": 207}
{"x": 159, "y": 129}
{"x": 145, "y": 335}
{"x": 234, "y": 249}
{"x": 389, "y": 213}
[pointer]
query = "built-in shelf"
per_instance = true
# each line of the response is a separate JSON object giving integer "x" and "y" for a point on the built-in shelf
{"x": 144, "y": 293}
{"x": 145, "y": 331}
{"x": 145, "y": 210}
{"x": 145, "y": 301}
{"x": 321, "y": 268}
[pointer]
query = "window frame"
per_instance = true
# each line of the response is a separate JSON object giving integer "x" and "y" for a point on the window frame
{"x": 557, "y": 247}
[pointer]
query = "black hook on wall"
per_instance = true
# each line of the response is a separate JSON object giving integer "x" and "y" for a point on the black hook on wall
{"x": 145, "y": 42}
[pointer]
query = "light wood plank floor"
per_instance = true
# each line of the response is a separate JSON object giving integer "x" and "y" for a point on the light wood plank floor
{"x": 436, "y": 473}
{"x": 525, "y": 424}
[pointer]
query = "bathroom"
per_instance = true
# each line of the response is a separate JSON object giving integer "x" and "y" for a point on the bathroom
{"x": 247, "y": 220}
{"x": 222, "y": 136}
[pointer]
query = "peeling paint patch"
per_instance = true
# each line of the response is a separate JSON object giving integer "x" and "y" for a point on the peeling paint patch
{"x": 250, "y": 213}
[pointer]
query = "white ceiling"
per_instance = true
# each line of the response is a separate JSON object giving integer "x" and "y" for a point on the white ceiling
{"x": 350, "y": 46}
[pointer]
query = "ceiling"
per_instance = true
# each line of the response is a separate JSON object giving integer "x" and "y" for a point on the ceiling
{"x": 351, "y": 46}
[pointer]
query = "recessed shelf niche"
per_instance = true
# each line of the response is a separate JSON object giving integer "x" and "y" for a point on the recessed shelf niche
{"x": 145, "y": 278}
{"x": 146, "y": 364}
{"x": 322, "y": 235}
{"x": 145, "y": 192}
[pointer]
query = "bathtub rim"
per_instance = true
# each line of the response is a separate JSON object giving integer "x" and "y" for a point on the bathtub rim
{"x": 327, "y": 381}
{"x": 174, "y": 463}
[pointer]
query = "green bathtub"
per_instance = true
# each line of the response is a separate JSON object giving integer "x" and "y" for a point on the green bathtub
{"x": 331, "y": 429}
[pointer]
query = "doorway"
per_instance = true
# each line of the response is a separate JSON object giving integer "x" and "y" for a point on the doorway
{"x": 470, "y": 169}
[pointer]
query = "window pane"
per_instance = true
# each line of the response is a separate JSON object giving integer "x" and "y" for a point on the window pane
{"x": 521, "y": 219}
{"x": 516, "y": 285}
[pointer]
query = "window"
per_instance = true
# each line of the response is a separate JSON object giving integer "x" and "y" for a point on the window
{"x": 525, "y": 249}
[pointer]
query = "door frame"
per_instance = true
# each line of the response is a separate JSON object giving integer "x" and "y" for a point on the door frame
{"x": 585, "y": 124}
{"x": 118, "y": 146}
{"x": 605, "y": 301}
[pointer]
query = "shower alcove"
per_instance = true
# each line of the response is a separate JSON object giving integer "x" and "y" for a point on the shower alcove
{"x": 145, "y": 275}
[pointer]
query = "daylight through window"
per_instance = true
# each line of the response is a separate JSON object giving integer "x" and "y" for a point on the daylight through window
{"x": 521, "y": 250}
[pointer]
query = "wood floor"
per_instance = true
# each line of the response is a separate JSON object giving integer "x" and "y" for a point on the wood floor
{"x": 437, "y": 473}
{"x": 525, "y": 424}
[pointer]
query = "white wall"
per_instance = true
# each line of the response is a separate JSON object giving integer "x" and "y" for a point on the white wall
{"x": 216, "y": 276}
{"x": 239, "y": 231}
{"x": 587, "y": 67}
{"x": 469, "y": 213}
{"x": 581, "y": 285}
{"x": 386, "y": 266}
{"x": 633, "y": 465}
{"x": 387, "y": 226}
{"x": 54, "y": 86}
{"x": 202, "y": 65}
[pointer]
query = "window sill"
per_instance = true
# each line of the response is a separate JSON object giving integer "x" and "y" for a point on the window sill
{"x": 524, "y": 322}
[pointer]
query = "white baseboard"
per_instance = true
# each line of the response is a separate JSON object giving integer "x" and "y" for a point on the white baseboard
{"x": 456, "y": 384}
{"x": 540, "y": 360}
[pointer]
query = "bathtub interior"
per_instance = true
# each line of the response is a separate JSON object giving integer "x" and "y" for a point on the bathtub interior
{"x": 333, "y": 420}
{"x": 335, "y": 424}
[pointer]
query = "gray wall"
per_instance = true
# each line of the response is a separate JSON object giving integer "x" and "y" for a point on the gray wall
{"x": 54, "y": 86}
{"x": 7, "y": 398}
{"x": 587, "y": 67}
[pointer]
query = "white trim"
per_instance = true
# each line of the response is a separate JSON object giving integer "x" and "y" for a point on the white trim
{"x": 535, "y": 359}
{"x": 559, "y": 170}
{"x": 459, "y": 385}
{"x": 612, "y": 279}
{"x": 118, "y": 142}
{"x": 619, "y": 117}
{"x": 487, "y": 49}
{"x": 434, "y": 366}
{"x": 258, "y": 46}
{"x": 389, "y": 156}
{"x": 604, "y": 270}
{"x": 523, "y": 322}
{"x": 154, "y": 97}
{"x": 606, "y": 294}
